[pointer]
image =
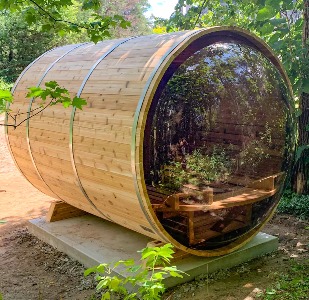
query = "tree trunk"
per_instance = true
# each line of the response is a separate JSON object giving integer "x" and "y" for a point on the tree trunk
{"x": 301, "y": 179}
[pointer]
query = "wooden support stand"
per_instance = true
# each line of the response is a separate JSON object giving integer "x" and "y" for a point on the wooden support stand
{"x": 59, "y": 210}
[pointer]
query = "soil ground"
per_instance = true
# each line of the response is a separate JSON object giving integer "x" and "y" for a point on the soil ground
{"x": 31, "y": 269}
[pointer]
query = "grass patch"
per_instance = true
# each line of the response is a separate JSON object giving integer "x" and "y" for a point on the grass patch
{"x": 293, "y": 285}
{"x": 293, "y": 204}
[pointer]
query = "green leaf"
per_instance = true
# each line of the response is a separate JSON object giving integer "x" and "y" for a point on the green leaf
{"x": 3, "y": 221}
{"x": 300, "y": 150}
{"x": 51, "y": 84}
{"x": 6, "y": 96}
{"x": 119, "y": 262}
{"x": 46, "y": 27}
{"x": 79, "y": 103}
{"x": 62, "y": 32}
{"x": 30, "y": 16}
{"x": 91, "y": 4}
{"x": 125, "y": 24}
{"x": 288, "y": 4}
{"x": 267, "y": 28}
{"x": 277, "y": 21}
{"x": 274, "y": 4}
{"x": 148, "y": 252}
{"x": 103, "y": 283}
{"x": 95, "y": 38}
{"x": 271, "y": 292}
{"x": 134, "y": 269}
{"x": 166, "y": 251}
{"x": 90, "y": 270}
{"x": 175, "y": 274}
{"x": 278, "y": 45}
{"x": 34, "y": 92}
{"x": 265, "y": 13}
{"x": 66, "y": 102}
{"x": 129, "y": 262}
{"x": 299, "y": 23}
{"x": 115, "y": 281}
{"x": 106, "y": 296}
{"x": 159, "y": 275}
{"x": 101, "y": 268}
{"x": 305, "y": 86}
{"x": 298, "y": 112}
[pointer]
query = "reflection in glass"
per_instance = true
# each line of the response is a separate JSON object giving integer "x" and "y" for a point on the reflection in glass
{"x": 215, "y": 148}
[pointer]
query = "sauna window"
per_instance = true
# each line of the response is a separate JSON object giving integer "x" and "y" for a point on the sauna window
{"x": 215, "y": 145}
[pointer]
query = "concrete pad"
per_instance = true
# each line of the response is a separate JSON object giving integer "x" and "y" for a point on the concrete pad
{"x": 92, "y": 241}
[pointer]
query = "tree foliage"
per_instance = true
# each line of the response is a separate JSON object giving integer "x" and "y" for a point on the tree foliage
{"x": 20, "y": 45}
{"x": 51, "y": 17}
{"x": 133, "y": 11}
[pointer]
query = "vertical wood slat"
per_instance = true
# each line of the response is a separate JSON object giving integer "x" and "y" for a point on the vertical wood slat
{"x": 71, "y": 145}
{"x": 30, "y": 108}
{"x": 6, "y": 127}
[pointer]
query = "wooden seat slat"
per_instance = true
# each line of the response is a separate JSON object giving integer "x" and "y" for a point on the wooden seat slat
{"x": 248, "y": 197}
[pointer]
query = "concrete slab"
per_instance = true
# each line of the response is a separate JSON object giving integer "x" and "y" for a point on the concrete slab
{"x": 92, "y": 241}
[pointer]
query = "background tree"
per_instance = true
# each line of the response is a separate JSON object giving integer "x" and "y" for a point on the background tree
{"x": 20, "y": 45}
{"x": 301, "y": 182}
{"x": 131, "y": 10}
{"x": 51, "y": 16}
{"x": 22, "y": 41}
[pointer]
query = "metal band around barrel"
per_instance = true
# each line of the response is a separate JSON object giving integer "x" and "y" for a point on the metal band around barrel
{"x": 6, "y": 127}
{"x": 134, "y": 129}
{"x": 72, "y": 123}
{"x": 30, "y": 107}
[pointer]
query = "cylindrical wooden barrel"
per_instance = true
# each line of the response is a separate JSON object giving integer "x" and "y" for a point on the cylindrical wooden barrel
{"x": 186, "y": 137}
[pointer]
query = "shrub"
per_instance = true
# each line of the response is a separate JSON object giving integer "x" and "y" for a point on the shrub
{"x": 147, "y": 276}
{"x": 293, "y": 204}
{"x": 292, "y": 285}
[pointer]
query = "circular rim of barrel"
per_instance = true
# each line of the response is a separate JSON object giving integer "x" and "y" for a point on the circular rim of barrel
{"x": 141, "y": 116}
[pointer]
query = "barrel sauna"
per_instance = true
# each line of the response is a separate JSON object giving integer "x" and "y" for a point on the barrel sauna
{"x": 186, "y": 137}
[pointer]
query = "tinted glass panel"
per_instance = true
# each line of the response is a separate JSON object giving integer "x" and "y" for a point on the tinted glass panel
{"x": 215, "y": 154}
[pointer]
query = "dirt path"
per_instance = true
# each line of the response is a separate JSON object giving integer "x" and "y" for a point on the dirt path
{"x": 31, "y": 269}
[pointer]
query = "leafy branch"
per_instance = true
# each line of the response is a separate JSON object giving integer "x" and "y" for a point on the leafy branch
{"x": 204, "y": 4}
{"x": 97, "y": 29}
{"x": 51, "y": 95}
{"x": 148, "y": 275}
{"x": 51, "y": 17}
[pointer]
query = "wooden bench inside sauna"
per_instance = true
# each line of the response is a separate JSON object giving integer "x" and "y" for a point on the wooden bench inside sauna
{"x": 194, "y": 223}
{"x": 186, "y": 137}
